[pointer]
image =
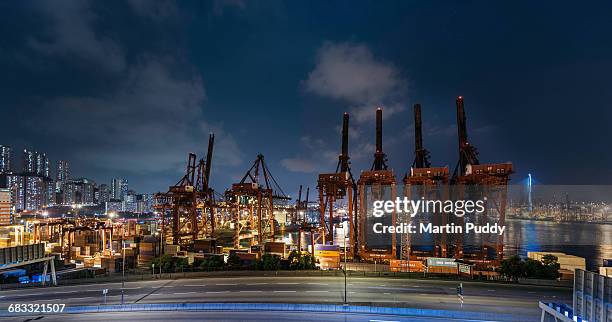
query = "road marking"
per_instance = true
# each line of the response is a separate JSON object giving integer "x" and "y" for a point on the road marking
{"x": 287, "y": 283}
{"x": 531, "y": 292}
{"x": 132, "y": 288}
{"x": 284, "y": 291}
{"x": 181, "y": 293}
{"x": 491, "y": 290}
{"x": 217, "y": 292}
{"x": 387, "y": 293}
{"x": 164, "y": 286}
{"x": 227, "y": 284}
{"x": 318, "y": 284}
{"x": 250, "y": 291}
{"x": 257, "y": 284}
{"x": 195, "y": 285}
{"x": 65, "y": 292}
{"x": 317, "y": 291}
{"x": 383, "y": 321}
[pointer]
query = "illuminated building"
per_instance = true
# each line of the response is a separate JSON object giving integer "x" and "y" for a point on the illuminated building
{"x": 79, "y": 191}
{"x": 36, "y": 163}
{"x": 29, "y": 161}
{"x": 103, "y": 194}
{"x": 5, "y": 159}
{"x": 119, "y": 189}
{"x": 62, "y": 174}
{"x": 6, "y": 207}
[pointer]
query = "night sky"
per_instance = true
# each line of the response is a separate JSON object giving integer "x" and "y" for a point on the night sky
{"x": 128, "y": 88}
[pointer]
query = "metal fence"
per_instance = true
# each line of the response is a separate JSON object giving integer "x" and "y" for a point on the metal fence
{"x": 17, "y": 254}
{"x": 592, "y": 296}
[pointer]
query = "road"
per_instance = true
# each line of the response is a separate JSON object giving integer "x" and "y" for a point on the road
{"x": 227, "y": 316}
{"x": 429, "y": 294}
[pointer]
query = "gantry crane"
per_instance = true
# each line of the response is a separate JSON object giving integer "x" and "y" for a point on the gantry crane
{"x": 189, "y": 203}
{"x": 377, "y": 184}
{"x": 253, "y": 205}
{"x": 336, "y": 186}
{"x": 430, "y": 183}
{"x": 489, "y": 182}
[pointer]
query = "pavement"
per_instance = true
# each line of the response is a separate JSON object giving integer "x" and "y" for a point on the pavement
{"x": 414, "y": 293}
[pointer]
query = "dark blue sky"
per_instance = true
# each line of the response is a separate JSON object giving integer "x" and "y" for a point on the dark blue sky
{"x": 128, "y": 88}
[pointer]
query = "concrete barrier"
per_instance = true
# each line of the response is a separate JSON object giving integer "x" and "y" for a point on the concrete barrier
{"x": 289, "y": 307}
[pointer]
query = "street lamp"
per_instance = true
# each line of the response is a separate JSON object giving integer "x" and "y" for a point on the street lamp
{"x": 344, "y": 237}
{"x": 122, "y": 269}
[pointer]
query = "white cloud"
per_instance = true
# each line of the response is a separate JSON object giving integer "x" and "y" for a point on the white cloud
{"x": 350, "y": 72}
{"x": 298, "y": 165}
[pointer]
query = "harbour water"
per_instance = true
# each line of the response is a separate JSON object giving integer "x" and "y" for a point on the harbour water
{"x": 591, "y": 241}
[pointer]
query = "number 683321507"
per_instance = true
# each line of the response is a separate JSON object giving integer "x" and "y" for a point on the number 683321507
{"x": 36, "y": 308}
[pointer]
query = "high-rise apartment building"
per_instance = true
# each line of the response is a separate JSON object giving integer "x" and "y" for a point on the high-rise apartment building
{"x": 79, "y": 191}
{"x": 36, "y": 163}
{"x": 29, "y": 161}
{"x": 5, "y": 159}
{"x": 42, "y": 165}
{"x": 6, "y": 207}
{"x": 119, "y": 189}
{"x": 63, "y": 171}
{"x": 103, "y": 194}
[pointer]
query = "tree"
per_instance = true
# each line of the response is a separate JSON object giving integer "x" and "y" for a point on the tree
{"x": 307, "y": 262}
{"x": 294, "y": 260}
{"x": 513, "y": 268}
{"x": 165, "y": 261}
{"x": 270, "y": 262}
{"x": 180, "y": 263}
{"x": 214, "y": 262}
{"x": 550, "y": 266}
{"x": 234, "y": 262}
{"x": 533, "y": 268}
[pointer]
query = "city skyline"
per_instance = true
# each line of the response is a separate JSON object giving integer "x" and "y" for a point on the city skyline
{"x": 35, "y": 188}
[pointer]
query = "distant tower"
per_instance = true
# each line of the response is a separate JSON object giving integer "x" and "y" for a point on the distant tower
{"x": 5, "y": 159}
{"x": 119, "y": 188}
{"x": 42, "y": 165}
{"x": 29, "y": 161}
{"x": 529, "y": 190}
{"x": 63, "y": 171}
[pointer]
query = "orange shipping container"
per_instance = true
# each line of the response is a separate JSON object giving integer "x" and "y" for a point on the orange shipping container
{"x": 397, "y": 265}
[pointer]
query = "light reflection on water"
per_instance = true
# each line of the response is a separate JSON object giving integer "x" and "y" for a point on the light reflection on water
{"x": 591, "y": 241}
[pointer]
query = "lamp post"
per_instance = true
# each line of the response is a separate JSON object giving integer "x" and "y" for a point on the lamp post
{"x": 123, "y": 269}
{"x": 344, "y": 237}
